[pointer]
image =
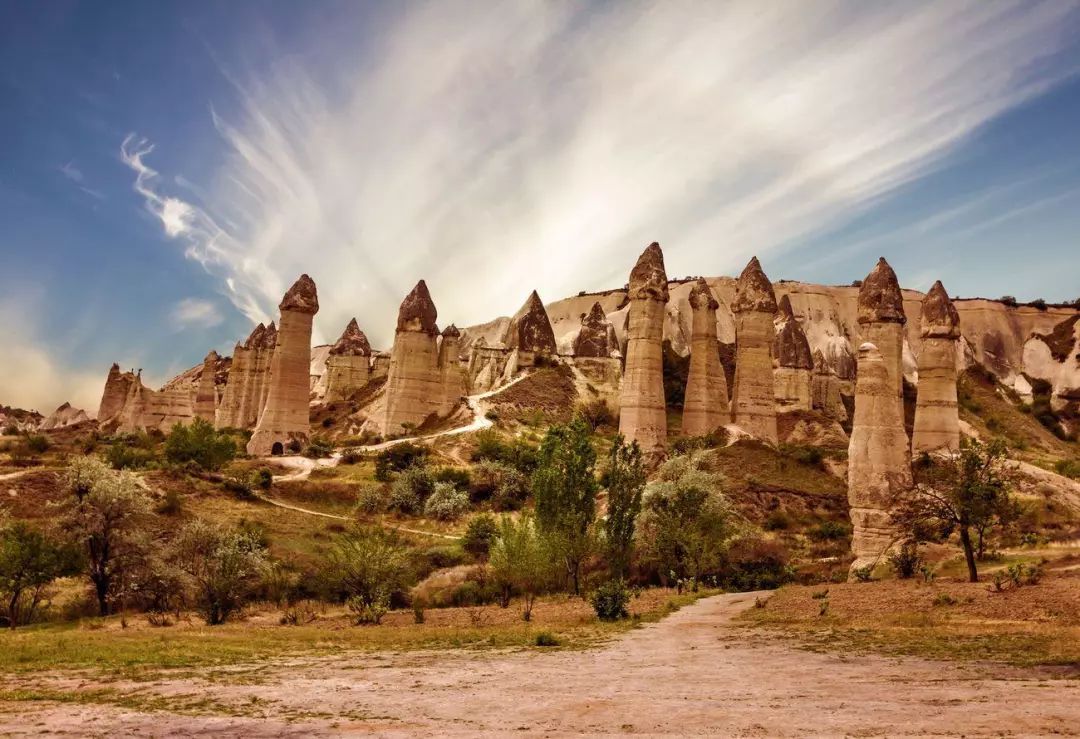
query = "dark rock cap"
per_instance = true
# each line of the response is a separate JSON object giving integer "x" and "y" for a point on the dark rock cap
{"x": 648, "y": 280}
{"x": 352, "y": 343}
{"x": 791, "y": 348}
{"x": 880, "y": 300}
{"x": 417, "y": 312}
{"x": 301, "y": 297}
{"x": 701, "y": 297}
{"x": 451, "y": 332}
{"x": 530, "y": 329}
{"x": 784, "y": 306}
{"x": 753, "y": 291}
{"x": 596, "y": 336}
{"x": 256, "y": 337}
{"x": 269, "y": 340}
{"x": 939, "y": 316}
{"x": 211, "y": 358}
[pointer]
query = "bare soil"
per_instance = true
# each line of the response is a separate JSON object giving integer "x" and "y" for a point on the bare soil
{"x": 692, "y": 673}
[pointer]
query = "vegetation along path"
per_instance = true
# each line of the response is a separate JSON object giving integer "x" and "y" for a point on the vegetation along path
{"x": 693, "y": 672}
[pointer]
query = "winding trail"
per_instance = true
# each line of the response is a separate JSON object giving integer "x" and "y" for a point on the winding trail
{"x": 695, "y": 672}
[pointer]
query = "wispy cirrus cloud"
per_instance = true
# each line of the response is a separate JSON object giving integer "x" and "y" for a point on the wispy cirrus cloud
{"x": 195, "y": 313}
{"x": 496, "y": 149}
{"x": 73, "y": 173}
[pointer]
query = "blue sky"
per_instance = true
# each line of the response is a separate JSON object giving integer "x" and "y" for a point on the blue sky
{"x": 167, "y": 169}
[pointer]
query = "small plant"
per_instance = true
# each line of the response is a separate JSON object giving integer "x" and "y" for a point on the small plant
{"x": 760, "y": 602}
{"x": 298, "y": 614}
{"x": 372, "y": 498}
{"x": 446, "y": 502}
{"x": 318, "y": 448}
{"x": 823, "y": 608}
{"x": 863, "y": 574}
{"x": 172, "y": 505}
{"x": 928, "y": 573}
{"x": 546, "y": 639}
{"x": 610, "y": 600}
{"x": 830, "y": 531}
{"x": 943, "y": 599}
{"x": 820, "y": 594}
{"x": 905, "y": 561}
{"x": 418, "y": 611}
{"x": 1001, "y": 579}
{"x": 479, "y": 534}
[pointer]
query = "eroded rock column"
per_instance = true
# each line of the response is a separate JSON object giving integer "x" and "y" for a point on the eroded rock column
{"x": 705, "y": 405}
{"x": 795, "y": 364}
{"x": 879, "y": 468}
{"x": 206, "y": 394}
{"x": 881, "y": 322}
{"x": 453, "y": 373}
{"x": 228, "y": 410}
{"x": 286, "y": 416}
{"x": 117, "y": 385}
{"x": 643, "y": 411}
{"x": 937, "y": 419}
{"x": 348, "y": 368}
{"x": 754, "y": 399}
{"x": 414, "y": 388}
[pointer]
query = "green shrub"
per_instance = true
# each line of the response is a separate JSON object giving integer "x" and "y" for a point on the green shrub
{"x": 863, "y": 574}
{"x": 756, "y": 564}
{"x": 610, "y": 601}
{"x": 546, "y": 639}
{"x": 479, "y": 534}
{"x": 398, "y": 458}
{"x": 409, "y": 491}
{"x": 943, "y": 599}
{"x": 506, "y": 487}
{"x": 777, "y": 520}
{"x": 367, "y": 567}
{"x": 199, "y": 443}
{"x": 372, "y": 498}
{"x": 830, "y": 531}
{"x": 810, "y": 456}
{"x": 319, "y": 447}
{"x": 37, "y": 443}
{"x": 597, "y": 413}
{"x": 459, "y": 477}
{"x": 906, "y": 560}
{"x": 1068, "y": 468}
{"x": 439, "y": 557}
{"x": 690, "y": 444}
{"x": 172, "y": 505}
{"x": 120, "y": 456}
{"x": 263, "y": 479}
{"x": 446, "y": 502}
{"x": 351, "y": 456}
{"x": 516, "y": 453}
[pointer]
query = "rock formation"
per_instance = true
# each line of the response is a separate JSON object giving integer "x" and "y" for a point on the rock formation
{"x": 63, "y": 417}
{"x": 348, "y": 368}
{"x": 879, "y": 467}
{"x": 937, "y": 420}
{"x": 881, "y": 322}
{"x": 117, "y": 386}
{"x": 245, "y": 389}
{"x": 530, "y": 333}
{"x": 145, "y": 409}
{"x": 795, "y": 363}
{"x": 259, "y": 388}
{"x": 228, "y": 410}
{"x": 414, "y": 384}
{"x": 754, "y": 399}
{"x": 206, "y": 395}
{"x": 453, "y": 373}
{"x": 825, "y": 389}
{"x": 705, "y": 406}
{"x": 285, "y": 417}
{"x": 597, "y": 336}
{"x": 643, "y": 411}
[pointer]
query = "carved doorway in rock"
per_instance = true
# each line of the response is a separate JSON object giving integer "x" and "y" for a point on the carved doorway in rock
{"x": 277, "y": 449}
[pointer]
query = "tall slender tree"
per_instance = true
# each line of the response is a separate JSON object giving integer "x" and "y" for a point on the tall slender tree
{"x": 626, "y": 484}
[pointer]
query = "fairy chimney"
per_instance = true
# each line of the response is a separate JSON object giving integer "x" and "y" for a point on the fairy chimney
{"x": 451, "y": 369}
{"x": 705, "y": 404}
{"x": 530, "y": 333}
{"x": 348, "y": 366}
{"x": 285, "y": 416}
{"x": 795, "y": 364}
{"x": 937, "y": 420}
{"x": 596, "y": 340}
{"x": 881, "y": 322}
{"x": 414, "y": 388}
{"x": 754, "y": 400}
{"x": 117, "y": 385}
{"x": 206, "y": 394}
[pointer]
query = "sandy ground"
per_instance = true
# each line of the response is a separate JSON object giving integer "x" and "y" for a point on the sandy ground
{"x": 690, "y": 674}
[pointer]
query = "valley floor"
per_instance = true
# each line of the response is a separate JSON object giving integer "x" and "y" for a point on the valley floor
{"x": 694, "y": 672}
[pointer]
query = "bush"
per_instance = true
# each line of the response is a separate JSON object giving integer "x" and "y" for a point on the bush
{"x": 199, "y": 443}
{"x": 905, "y": 561}
{"x": 351, "y": 456}
{"x": 120, "y": 456}
{"x": 37, "y": 443}
{"x": 597, "y": 413}
{"x": 1068, "y": 468}
{"x": 410, "y": 490}
{"x": 610, "y": 601}
{"x": 810, "y": 456}
{"x": 263, "y": 479}
{"x": 756, "y": 564}
{"x": 398, "y": 458}
{"x": 172, "y": 505}
{"x": 372, "y": 498}
{"x": 546, "y": 639}
{"x": 29, "y": 562}
{"x": 863, "y": 574}
{"x": 479, "y": 534}
{"x": 225, "y": 567}
{"x": 690, "y": 444}
{"x": 777, "y": 520}
{"x": 446, "y": 502}
{"x": 516, "y": 453}
{"x": 459, "y": 477}
{"x": 830, "y": 531}
{"x": 367, "y": 567}
{"x": 503, "y": 485}
{"x": 318, "y": 448}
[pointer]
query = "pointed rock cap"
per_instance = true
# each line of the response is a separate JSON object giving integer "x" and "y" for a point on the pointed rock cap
{"x": 701, "y": 297}
{"x": 352, "y": 343}
{"x": 255, "y": 338}
{"x": 451, "y": 332}
{"x": 417, "y": 312}
{"x": 790, "y": 346}
{"x": 269, "y": 338}
{"x": 301, "y": 297}
{"x": 597, "y": 336}
{"x": 530, "y": 329}
{"x": 648, "y": 280}
{"x": 753, "y": 291}
{"x": 784, "y": 306}
{"x": 211, "y": 358}
{"x": 115, "y": 369}
{"x": 880, "y": 299}
{"x": 939, "y": 316}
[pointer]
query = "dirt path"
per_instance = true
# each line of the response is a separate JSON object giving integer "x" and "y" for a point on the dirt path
{"x": 308, "y": 511}
{"x": 689, "y": 674}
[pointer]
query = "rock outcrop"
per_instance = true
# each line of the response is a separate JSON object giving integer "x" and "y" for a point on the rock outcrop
{"x": 348, "y": 368}
{"x": 414, "y": 383}
{"x": 881, "y": 323}
{"x": 597, "y": 338}
{"x": 937, "y": 419}
{"x": 117, "y": 386}
{"x": 825, "y": 390}
{"x": 643, "y": 411}
{"x": 705, "y": 405}
{"x": 795, "y": 363}
{"x": 206, "y": 395}
{"x": 63, "y": 417}
{"x": 754, "y": 399}
{"x": 879, "y": 468}
{"x": 246, "y": 387}
{"x": 285, "y": 417}
{"x": 452, "y": 371}
{"x": 145, "y": 409}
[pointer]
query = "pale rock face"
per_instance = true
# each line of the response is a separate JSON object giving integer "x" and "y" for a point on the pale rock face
{"x": 414, "y": 384}
{"x": 228, "y": 409}
{"x": 117, "y": 385}
{"x": 937, "y": 418}
{"x": 643, "y": 411}
{"x": 597, "y": 336}
{"x": 63, "y": 417}
{"x": 881, "y": 323}
{"x": 453, "y": 372}
{"x": 145, "y": 409}
{"x": 705, "y": 407}
{"x": 754, "y": 399}
{"x": 530, "y": 329}
{"x": 879, "y": 468}
{"x": 348, "y": 366}
{"x": 206, "y": 395}
{"x": 793, "y": 374}
{"x": 286, "y": 414}
{"x": 826, "y": 389}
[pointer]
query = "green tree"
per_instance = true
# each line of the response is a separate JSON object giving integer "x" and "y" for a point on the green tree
{"x": 564, "y": 488}
{"x": 29, "y": 562}
{"x": 224, "y": 566}
{"x": 200, "y": 443}
{"x": 367, "y": 566}
{"x": 521, "y": 560}
{"x": 626, "y": 484}
{"x": 968, "y": 492}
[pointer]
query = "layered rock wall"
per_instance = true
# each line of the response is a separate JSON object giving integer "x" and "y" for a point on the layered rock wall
{"x": 793, "y": 375}
{"x": 705, "y": 404}
{"x": 206, "y": 395}
{"x": 348, "y": 366}
{"x": 937, "y": 417}
{"x": 117, "y": 386}
{"x": 145, "y": 409}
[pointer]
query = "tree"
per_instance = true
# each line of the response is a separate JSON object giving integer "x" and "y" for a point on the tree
{"x": 564, "y": 488}
{"x": 626, "y": 484}
{"x": 965, "y": 492}
{"x": 688, "y": 524}
{"x": 367, "y": 566}
{"x": 200, "y": 443}
{"x": 224, "y": 566}
{"x": 29, "y": 562}
{"x": 106, "y": 518}
{"x": 520, "y": 560}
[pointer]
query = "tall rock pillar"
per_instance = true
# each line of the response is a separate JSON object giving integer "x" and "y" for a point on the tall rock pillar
{"x": 881, "y": 322}
{"x": 879, "y": 467}
{"x": 643, "y": 410}
{"x": 348, "y": 367}
{"x": 754, "y": 399}
{"x": 228, "y": 409}
{"x": 453, "y": 374}
{"x": 117, "y": 385}
{"x": 206, "y": 394}
{"x": 286, "y": 416}
{"x": 414, "y": 388}
{"x": 795, "y": 364}
{"x": 937, "y": 420}
{"x": 705, "y": 406}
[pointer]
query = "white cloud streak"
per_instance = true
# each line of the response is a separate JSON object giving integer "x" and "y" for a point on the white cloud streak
{"x": 195, "y": 313}
{"x": 495, "y": 148}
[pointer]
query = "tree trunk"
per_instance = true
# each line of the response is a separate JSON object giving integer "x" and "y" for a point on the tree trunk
{"x": 101, "y": 589}
{"x": 969, "y": 554}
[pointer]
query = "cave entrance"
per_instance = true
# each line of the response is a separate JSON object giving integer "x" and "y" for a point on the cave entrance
{"x": 277, "y": 449}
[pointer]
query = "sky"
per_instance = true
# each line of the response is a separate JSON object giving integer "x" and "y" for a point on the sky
{"x": 167, "y": 170}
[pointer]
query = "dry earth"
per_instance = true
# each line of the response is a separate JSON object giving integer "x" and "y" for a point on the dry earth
{"x": 692, "y": 673}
